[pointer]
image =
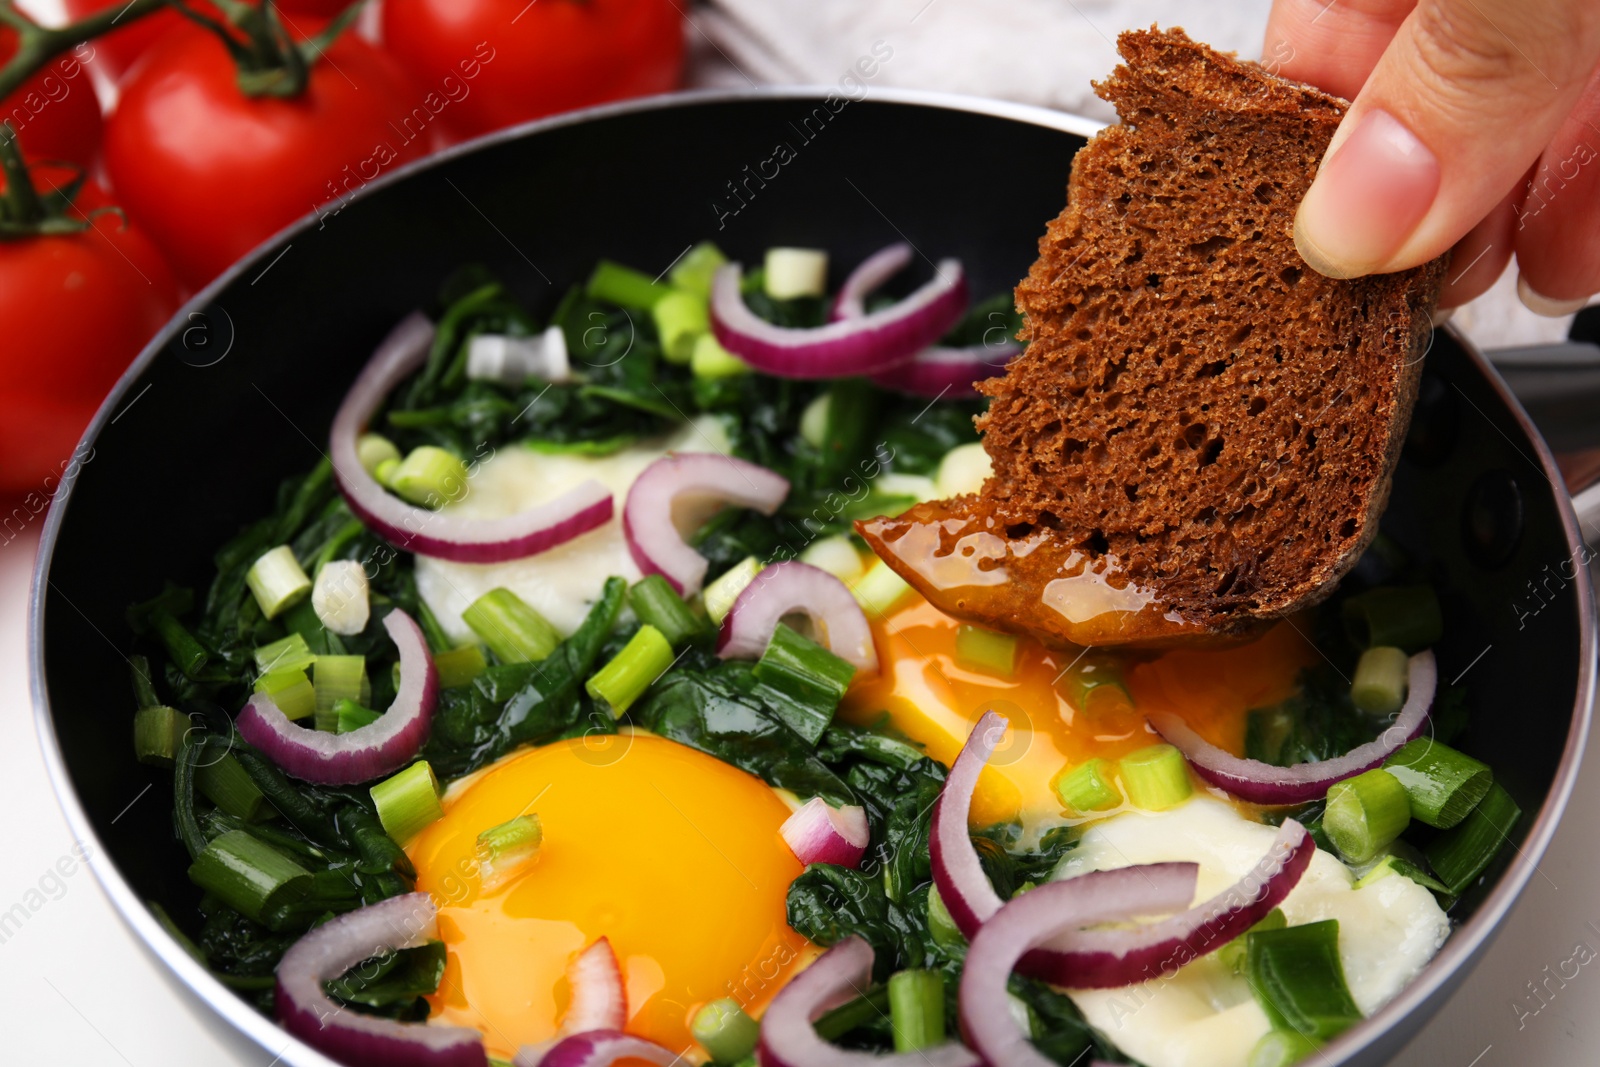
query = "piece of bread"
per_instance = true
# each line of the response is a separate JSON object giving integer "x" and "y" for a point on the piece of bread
{"x": 1198, "y": 414}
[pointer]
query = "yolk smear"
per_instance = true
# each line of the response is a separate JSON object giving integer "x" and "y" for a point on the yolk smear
{"x": 672, "y": 854}
{"x": 932, "y": 699}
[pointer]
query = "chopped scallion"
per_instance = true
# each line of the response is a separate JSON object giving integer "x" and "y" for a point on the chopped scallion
{"x": 504, "y": 850}
{"x": 1442, "y": 784}
{"x": 1298, "y": 980}
{"x": 230, "y": 787}
{"x": 430, "y": 476}
{"x": 1232, "y": 955}
{"x": 1156, "y": 777}
{"x": 805, "y": 681}
{"x": 1095, "y": 686}
{"x": 880, "y": 590}
{"x": 337, "y": 678}
{"x": 681, "y": 319}
{"x": 837, "y": 555}
{"x": 190, "y": 656}
{"x": 724, "y": 1030}
{"x": 372, "y": 449}
{"x": 385, "y": 471}
{"x": 1379, "y": 687}
{"x": 1365, "y": 813}
{"x": 408, "y": 801}
{"x": 1407, "y": 617}
{"x": 791, "y": 273}
{"x": 459, "y": 666}
{"x": 657, "y": 604}
{"x": 916, "y": 1009}
{"x": 1088, "y": 787}
{"x": 1459, "y": 855}
{"x": 1392, "y": 865}
{"x": 711, "y": 360}
{"x": 720, "y": 594}
{"x": 348, "y": 716}
{"x": 278, "y": 581}
{"x": 157, "y": 732}
{"x": 514, "y": 632}
{"x": 291, "y": 690}
{"x": 814, "y": 420}
{"x": 642, "y": 660}
{"x": 694, "y": 271}
{"x": 624, "y": 286}
{"x": 249, "y": 875}
{"x": 987, "y": 650}
{"x": 941, "y": 924}
{"x": 288, "y": 654}
{"x": 1280, "y": 1048}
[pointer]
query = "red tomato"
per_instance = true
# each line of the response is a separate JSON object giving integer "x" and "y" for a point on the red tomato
{"x": 55, "y": 112}
{"x": 116, "y": 51}
{"x": 77, "y": 307}
{"x": 210, "y": 173}
{"x": 500, "y": 62}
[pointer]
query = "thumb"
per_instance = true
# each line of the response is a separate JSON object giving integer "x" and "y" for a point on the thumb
{"x": 1460, "y": 105}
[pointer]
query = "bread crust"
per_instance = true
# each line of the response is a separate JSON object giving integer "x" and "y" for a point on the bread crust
{"x": 1196, "y": 407}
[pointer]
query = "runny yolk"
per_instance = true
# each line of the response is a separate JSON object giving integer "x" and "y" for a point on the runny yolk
{"x": 671, "y": 854}
{"x": 935, "y": 700}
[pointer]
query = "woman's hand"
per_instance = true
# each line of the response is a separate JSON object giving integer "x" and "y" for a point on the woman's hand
{"x": 1476, "y": 123}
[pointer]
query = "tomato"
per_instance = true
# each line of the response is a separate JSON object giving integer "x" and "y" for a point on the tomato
{"x": 500, "y": 62}
{"x": 77, "y": 308}
{"x": 117, "y": 51}
{"x": 210, "y": 173}
{"x": 55, "y": 112}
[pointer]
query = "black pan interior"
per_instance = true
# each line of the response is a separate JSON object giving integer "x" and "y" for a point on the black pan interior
{"x": 241, "y": 394}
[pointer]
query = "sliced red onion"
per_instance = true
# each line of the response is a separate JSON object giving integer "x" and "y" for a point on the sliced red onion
{"x": 1262, "y": 783}
{"x": 788, "y": 1038}
{"x": 962, "y": 885}
{"x": 870, "y": 275}
{"x": 820, "y": 833}
{"x": 599, "y": 1001}
{"x": 795, "y": 588}
{"x": 381, "y": 747}
{"x": 1106, "y": 959}
{"x": 433, "y": 533}
{"x": 1030, "y": 920}
{"x": 595, "y": 1048}
{"x": 679, "y": 492}
{"x": 848, "y": 347}
{"x": 327, "y": 952}
{"x": 939, "y": 372}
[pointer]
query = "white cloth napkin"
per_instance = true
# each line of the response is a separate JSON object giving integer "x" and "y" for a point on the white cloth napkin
{"x": 1041, "y": 52}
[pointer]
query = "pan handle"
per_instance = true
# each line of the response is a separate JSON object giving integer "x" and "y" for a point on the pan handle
{"x": 1559, "y": 385}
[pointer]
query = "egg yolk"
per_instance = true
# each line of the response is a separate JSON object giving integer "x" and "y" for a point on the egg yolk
{"x": 673, "y": 855}
{"x": 933, "y": 698}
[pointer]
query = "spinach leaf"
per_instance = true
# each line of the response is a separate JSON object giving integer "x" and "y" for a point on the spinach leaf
{"x": 393, "y": 984}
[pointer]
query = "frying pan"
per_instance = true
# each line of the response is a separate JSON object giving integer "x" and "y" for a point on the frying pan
{"x": 239, "y": 389}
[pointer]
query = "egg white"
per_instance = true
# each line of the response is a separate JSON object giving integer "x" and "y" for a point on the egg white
{"x": 563, "y": 582}
{"x": 1205, "y": 1015}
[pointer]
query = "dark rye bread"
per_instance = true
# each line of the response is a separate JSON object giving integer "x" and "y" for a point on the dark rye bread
{"x": 1195, "y": 401}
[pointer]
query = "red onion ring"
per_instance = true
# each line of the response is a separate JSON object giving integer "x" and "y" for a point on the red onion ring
{"x": 791, "y": 588}
{"x": 820, "y": 833}
{"x": 381, "y": 747}
{"x": 595, "y": 1048}
{"x": 599, "y": 1001}
{"x": 870, "y": 274}
{"x": 1106, "y": 959}
{"x": 680, "y": 490}
{"x": 328, "y": 951}
{"x": 959, "y": 877}
{"x": 937, "y": 372}
{"x": 439, "y": 534}
{"x": 849, "y": 347}
{"x": 788, "y": 1038}
{"x": 1028, "y": 921}
{"x": 1263, "y": 783}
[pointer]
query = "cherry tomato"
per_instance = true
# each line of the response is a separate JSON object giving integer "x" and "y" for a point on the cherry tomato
{"x": 210, "y": 173}
{"x": 77, "y": 308}
{"x": 55, "y": 112}
{"x": 500, "y": 62}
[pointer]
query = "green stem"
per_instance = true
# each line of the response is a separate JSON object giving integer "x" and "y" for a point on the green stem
{"x": 38, "y": 45}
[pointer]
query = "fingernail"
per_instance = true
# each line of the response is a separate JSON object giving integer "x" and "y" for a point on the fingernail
{"x": 1443, "y": 315}
{"x": 1549, "y": 307}
{"x": 1367, "y": 198}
